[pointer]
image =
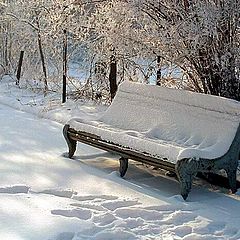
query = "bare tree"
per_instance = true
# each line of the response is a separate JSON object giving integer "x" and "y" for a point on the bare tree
{"x": 202, "y": 38}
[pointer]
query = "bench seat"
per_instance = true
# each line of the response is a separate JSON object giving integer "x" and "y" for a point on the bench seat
{"x": 152, "y": 142}
{"x": 168, "y": 125}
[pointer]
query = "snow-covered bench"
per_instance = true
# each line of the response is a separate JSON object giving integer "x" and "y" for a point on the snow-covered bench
{"x": 176, "y": 130}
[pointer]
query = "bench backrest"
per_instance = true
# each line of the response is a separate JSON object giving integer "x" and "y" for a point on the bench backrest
{"x": 186, "y": 118}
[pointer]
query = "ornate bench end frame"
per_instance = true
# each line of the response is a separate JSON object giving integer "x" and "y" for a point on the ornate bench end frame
{"x": 72, "y": 144}
{"x": 187, "y": 169}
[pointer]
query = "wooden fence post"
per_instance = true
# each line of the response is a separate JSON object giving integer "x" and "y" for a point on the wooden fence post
{"x": 64, "y": 93}
{"x": 159, "y": 74}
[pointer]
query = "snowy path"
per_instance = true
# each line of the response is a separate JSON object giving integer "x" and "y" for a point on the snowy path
{"x": 46, "y": 196}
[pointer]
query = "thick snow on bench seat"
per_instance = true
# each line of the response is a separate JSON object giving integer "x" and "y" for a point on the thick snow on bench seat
{"x": 167, "y": 123}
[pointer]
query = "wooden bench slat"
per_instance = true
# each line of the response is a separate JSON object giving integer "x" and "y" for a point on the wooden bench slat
{"x": 96, "y": 141}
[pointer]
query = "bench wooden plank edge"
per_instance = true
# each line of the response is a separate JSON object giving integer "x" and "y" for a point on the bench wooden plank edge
{"x": 186, "y": 169}
{"x": 73, "y": 136}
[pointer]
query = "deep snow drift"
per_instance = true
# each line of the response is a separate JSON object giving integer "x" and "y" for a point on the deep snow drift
{"x": 44, "y": 195}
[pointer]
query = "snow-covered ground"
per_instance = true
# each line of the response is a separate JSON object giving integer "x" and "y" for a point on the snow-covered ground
{"x": 44, "y": 195}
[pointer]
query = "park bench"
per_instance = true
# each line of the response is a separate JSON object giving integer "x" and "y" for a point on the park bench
{"x": 176, "y": 130}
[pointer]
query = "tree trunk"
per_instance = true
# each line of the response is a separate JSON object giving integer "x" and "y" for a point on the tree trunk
{"x": 43, "y": 61}
{"x": 6, "y": 52}
{"x": 19, "y": 67}
{"x": 113, "y": 77}
{"x": 42, "y": 56}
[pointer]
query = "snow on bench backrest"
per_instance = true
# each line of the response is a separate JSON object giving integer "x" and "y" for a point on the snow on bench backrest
{"x": 203, "y": 125}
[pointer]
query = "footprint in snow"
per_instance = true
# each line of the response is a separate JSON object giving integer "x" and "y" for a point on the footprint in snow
{"x": 104, "y": 219}
{"x": 95, "y": 198}
{"x": 212, "y": 227}
{"x": 142, "y": 213}
{"x": 132, "y": 223}
{"x": 79, "y": 213}
{"x": 15, "y": 189}
{"x": 93, "y": 206}
{"x": 110, "y": 217}
{"x": 119, "y": 234}
{"x": 66, "y": 193}
{"x": 182, "y": 230}
{"x": 65, "y": 236}
{"x": 119, "y": 204}
{"x": 89, "y": 232}
{"x": 179, "y": 217}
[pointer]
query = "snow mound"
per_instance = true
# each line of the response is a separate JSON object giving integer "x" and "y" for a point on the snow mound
{"x": 166, "y": 122}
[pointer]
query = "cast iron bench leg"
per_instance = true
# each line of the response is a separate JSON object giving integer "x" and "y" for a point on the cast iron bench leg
{"x": 72, "y": 144}
{"x": 123, "y": 166}
{"x": 186, "y": 170}
{"x": 232, "y": 177}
